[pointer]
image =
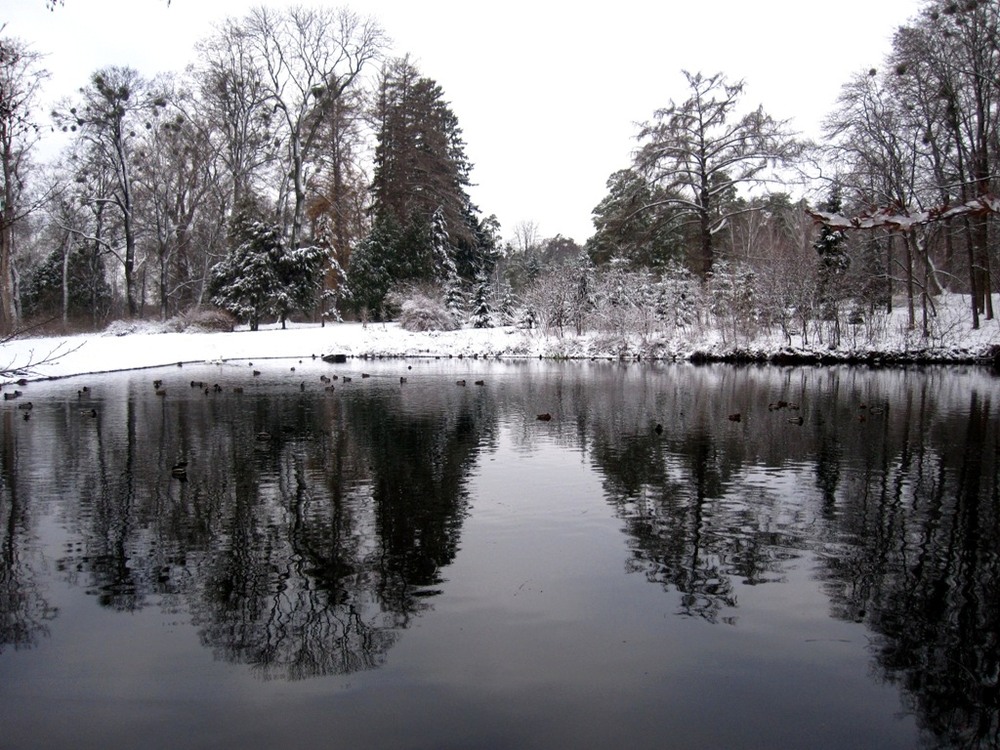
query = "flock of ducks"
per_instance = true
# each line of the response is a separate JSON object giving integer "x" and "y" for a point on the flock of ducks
{"x": 24, "y": 407}
{"x": 179, "y": 468}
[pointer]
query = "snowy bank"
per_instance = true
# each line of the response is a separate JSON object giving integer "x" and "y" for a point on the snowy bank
{"x": 144, "y": 347}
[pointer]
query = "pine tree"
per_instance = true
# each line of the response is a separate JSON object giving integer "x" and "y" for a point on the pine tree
{"x": 261, "y": 277}
{"x": 372, "y": 270}
{"x": 833, "y": 260}
{"x": 482, "y": 316}
{"x": 420, "y": 181}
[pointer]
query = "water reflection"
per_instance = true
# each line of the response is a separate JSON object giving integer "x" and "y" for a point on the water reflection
{"x": 307, "y": 529}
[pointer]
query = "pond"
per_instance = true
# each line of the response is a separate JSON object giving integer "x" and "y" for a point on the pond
{"x": 260, "y": 555}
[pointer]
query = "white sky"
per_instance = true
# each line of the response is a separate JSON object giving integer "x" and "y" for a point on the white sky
{"x": 547, "y": 93}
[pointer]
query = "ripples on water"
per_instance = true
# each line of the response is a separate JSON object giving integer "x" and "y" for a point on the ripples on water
{"x": 818, "y": 573}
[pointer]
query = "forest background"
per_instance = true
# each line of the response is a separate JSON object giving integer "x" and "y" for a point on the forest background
{"x": 298, "y": 170}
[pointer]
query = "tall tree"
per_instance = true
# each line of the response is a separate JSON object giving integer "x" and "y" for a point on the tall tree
{"x": 634, "y": 223}
{"x": 947, "y": 61}
{"x": 701, "y": 149}
{"x": 419, "y": 184}
{"x": 175, "y": 183}
{"x": 234, "y": 102}
{"x": 309, "y": 60}
{"x": 20, "y": 81}
{"x": 112, "y": 111}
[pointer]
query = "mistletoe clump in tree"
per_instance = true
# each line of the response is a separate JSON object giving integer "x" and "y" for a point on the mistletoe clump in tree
{"x": 262, "y": 277}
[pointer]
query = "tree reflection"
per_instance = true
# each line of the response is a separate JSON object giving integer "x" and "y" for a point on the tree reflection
{"x": 24, "y": 611}
{"x": 311, "y": 529}
{"x": 903, "y": 512}
{"x": 304, "y": 532}
{"x": 924, "y": 572}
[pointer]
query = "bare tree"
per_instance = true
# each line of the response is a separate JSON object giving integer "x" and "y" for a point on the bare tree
{"x": 947, "y": 60}
{"x": 309, "y": 58}
{"x": 234, "y": 101}
{"x": 175, "y": 183}
{"x": 20, "y": 81}
{"x": 877, "y": 146}
{"x": 699, "y": 151}
{"x": 112, "y": 111}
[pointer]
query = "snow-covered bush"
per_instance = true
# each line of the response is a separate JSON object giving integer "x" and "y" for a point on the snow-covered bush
{"x": 732, "y": 295}
{"x": 204, "y": 319}
{"x": 422, "y": 309}
{"x": 128, "y": 327}
{"x": 678, "y": 296}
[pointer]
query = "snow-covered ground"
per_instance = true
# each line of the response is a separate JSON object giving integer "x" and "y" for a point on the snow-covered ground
{"x": 145, "y": 346}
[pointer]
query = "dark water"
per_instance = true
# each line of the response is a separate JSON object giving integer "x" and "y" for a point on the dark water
{"x": 427, "y": 565}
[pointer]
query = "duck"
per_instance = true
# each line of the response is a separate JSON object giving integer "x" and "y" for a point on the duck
{"x": 480, "y": 382}
{"x": 92, "y": 413}
{"x": 795, "y": 420}
{"x": 735, "y": 417}
{"x": 459, "y": 382}
{"x": 26, "y": 406}
{"x": 544, "y": 417}
{"x": 402, "y": 380}
{"x": 658, "y": 429}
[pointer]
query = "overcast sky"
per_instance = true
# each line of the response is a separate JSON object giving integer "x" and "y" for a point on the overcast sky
{"x": 548, "y": 94}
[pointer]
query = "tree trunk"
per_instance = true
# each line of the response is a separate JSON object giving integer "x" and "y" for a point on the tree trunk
{"x": 8, "y": 304}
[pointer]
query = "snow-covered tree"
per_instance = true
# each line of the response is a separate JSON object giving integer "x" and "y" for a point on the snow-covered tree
{"x": 677, "y": 296}
{"x": 371, "y": 273}
{"x": 482, "y": 315}
{"x": 261, "y": 277}
{"x": 732, "y": 293}
{"x": 700, "y": 150}
{"x": 583, "y": 294}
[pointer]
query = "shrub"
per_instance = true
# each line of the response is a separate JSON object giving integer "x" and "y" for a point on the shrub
{"x": 422, "y": 311}
{"x": 208, "y": 319}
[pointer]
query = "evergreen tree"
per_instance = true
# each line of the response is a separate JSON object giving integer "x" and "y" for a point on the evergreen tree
{"x": 372, "y": 270}
{"x": 482, "y": 316}
{"x": 636, "y": 223}
{"x": 833, "y": 259}
{"x": 419, "y": 185}
{"x": 444, "y": 266}
{"x": 260, "y": 276}
{"x": 88, "y": 291}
